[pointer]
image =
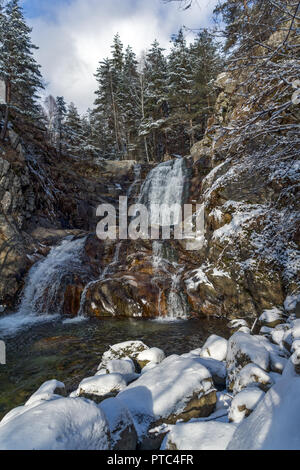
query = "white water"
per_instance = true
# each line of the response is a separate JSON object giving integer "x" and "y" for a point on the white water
{"x": 164, "y": 186}
{"x": 43, "y": 289}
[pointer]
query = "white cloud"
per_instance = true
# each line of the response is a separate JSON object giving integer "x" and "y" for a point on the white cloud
{"x": 80, "y": 34}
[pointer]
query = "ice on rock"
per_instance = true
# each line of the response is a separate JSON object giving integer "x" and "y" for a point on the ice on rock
{"x": 178, "y": 388}
{"x": 274, "y": 424}
{"x": 127, "y": 349}
{"x": 252, "y": 376}
{"x": 153, "y": 355}
{"x": 101, "y": 385}
{"x": 244, "y": 403}
{"x": 244, "y": 349}
{"x": 211, "y": 435}
{"x": 215, "y": 347}
{"x": 121, "y": 426}
{"x": 46, "y": 392}
{"x": 61, "y": 424}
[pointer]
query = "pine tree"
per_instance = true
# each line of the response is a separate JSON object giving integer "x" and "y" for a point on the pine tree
{"x": 180, "y": 95}
{"x": 156, "y": 105}
{"x": 18, "y": 67}
{"x": 74, "y": 132}
{"x": 61, "y": 111}
{"x": 206, "y": 64}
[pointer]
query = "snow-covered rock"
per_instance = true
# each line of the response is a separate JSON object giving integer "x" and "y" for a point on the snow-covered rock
{"x": 46, "y": 392}
{"x": 60, "y": 424}
{"x": 274, "y": 424}
{"x": 153, "y": 355}
{"x": 178, "y": 388}
{"x": 121, "y": 426}
{"x": 252, "y": 376}
{"x": 295, "y": 345}
{"x": 244, "y": 403}
{"x": 278, "y": 333}
{"x": 211, "y": 435}
{"x": 237, "y": 323}
{"x": 244, "y": 349}
{"x": 271, "y": 317}
{"x": 216, "y": 368}
{"x": 122, "y": 350}
{"x": 215, "y": 347}
{"x": 292, "y": 367}
{"x": 296, "y": 329}
{"x": 100, "y": 386}
{"x": 125, "y": 367}
{"x": 277, "y": 363}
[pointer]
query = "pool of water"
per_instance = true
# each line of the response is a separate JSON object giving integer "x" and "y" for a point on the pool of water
{"x": 71, "y": 351}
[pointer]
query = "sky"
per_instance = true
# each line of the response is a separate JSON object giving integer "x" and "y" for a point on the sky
{"x": 74, "y": 35}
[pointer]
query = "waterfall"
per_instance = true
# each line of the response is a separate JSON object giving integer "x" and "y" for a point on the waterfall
{"x": 43, "y": 294}
{"x": 164, "y": 186}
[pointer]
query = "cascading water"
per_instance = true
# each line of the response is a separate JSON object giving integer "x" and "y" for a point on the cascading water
{"x": 43, "y": 295}
{"x": 164, "y": 186}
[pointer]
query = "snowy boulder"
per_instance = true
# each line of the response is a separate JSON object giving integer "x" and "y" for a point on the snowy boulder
{"x": 274, "y": 424}
{"x": 288, "y": 340}
{"x": 61, "y": 424}
{"x": 215, "y": 348}
{"x": 99, "y": 387}
{"x": 271, "y": 317}
{"x": 121, "y": 426}
{"x": 149, "y": 366}
{"x": 237, "y": 323}
{"x": 295, "y": 345}
{"x": 252, "y": 376}
{"x": 125, "y": 367}
{"x": 244, "y": 349}
{"x": 216, "y": 368}
{"x": 292, "y": 367}
{"x": 127, "y": 349}
{"x": 47, "y": 391}
{"x": 177, "y": 389}
{"x": 245, "y": 329}
{"x": 296, "y": 330}
{"x": 277, "y": 363}
{"x": 244, "y": 403}
{"x": 211, "y": 435}
{"x": 278, "y": 333}
{"x": 153, "y": 355}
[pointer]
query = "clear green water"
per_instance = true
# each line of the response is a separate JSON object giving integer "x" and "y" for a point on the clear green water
{"x": 70, "y": 352}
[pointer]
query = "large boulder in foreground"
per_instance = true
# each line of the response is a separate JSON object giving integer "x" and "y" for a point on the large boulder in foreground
{"x": 274, "y": 425}
{"x": 177, "y": 389}
{"x": 121, "y": 426}
{"x": 59, "y": 424}
{"x": 211, "y": 435}
{"x": 244, "y": 349}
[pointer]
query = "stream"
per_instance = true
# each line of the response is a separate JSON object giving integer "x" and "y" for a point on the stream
{"x": 70, "y": 352}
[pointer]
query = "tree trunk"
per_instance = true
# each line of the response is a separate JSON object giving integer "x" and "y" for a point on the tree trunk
{"x": 6, "y": 119}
